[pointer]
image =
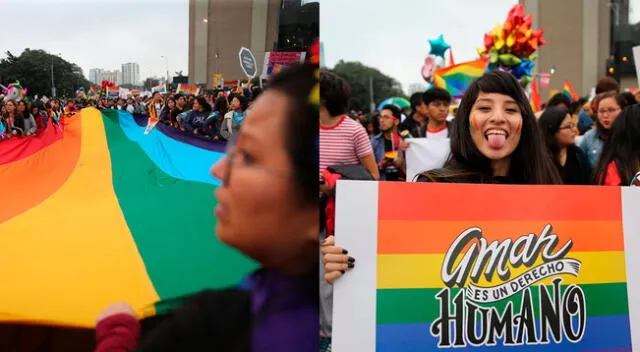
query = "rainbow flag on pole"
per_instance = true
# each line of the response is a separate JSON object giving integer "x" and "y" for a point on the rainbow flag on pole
{"x": 536, "y": 102}
{"x": 92, "y": 92}
{"x": 517, "y": 268}
{"x": 113, "y": 92}
{"x": 111, "y": 215}
{"x": 187, "y": 90}
{"x": 567, "y": 90}
{"x": 455, "y": 79}
{"x": 161, "y": 88}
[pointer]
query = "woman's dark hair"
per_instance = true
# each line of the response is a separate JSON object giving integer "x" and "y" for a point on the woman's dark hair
{"x": 244, "y": 102}
{"x": 603, "y": 133}
{"x": 549, "y": 124}
{"x": 301, "y": 131}
{"x": 557, "y": 99}
{"x": 415, "y": 100}
{"x": 221, "y": 105}
{"x": 622, "y": 148}
{"x": 204, "y": 103}
{"x": 628, "y": 98}
{"x": 530, "y": 163}
{"x": 335, "y": 93}
{"x": 607, "y": 84}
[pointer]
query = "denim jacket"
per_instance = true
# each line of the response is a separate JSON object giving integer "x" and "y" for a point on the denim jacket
{"x": 592, "y": 146}
{"x": 377, "y": 144}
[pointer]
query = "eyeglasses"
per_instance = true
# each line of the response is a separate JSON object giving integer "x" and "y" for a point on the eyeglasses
{"x": 569, "y": 126}
{"x": 237, "y": 157}
{"x": 610, "y": 111}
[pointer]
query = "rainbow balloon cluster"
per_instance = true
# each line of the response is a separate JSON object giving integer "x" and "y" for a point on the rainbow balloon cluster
{"x": 102, "y": 88}
{"x": 14, "y": 91}
{"x": 512, "y": 46}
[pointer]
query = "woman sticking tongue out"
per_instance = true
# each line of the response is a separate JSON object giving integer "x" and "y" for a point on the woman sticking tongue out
{"x": 496, "y": 123}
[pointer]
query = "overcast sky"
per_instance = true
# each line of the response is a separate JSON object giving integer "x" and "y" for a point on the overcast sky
{"x": 101, "y": 33}
{"x": 393, "y": 36}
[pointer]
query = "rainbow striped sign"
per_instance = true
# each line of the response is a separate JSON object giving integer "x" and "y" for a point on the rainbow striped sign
{"x": 111, "y": 215}
{"x": 478, "y": 267}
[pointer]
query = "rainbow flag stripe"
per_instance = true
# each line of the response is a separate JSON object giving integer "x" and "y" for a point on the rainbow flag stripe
{"x": 567, "y": 90}
{"x": 400, "y": 280}
{"x": 455, "y": 79}
{"x": 111, "y": 215}
{"x": 536, "y": 102}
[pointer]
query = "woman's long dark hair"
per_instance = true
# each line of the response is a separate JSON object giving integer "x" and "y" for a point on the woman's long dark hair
{"x": 549, "y": 124}
{"x": 221, "y": 105}
{"x": 530, "y": 163}
{"x": 301, "y": 132}
{"x": 623, "y": 147}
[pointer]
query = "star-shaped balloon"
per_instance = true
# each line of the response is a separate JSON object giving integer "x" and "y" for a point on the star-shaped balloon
{"x": 438, "y": 46}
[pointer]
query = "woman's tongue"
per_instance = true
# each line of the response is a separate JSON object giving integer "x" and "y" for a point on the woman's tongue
{"x": 496, "y": 141}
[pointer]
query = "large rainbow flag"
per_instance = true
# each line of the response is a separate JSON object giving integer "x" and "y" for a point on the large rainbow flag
{"x": 455, "y": 79}
{"x": 105, "y": 213}
{"x": 480, "y": 267}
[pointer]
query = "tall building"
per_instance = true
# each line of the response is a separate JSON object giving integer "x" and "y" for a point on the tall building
{"x": 219, "y": 28}
{"x": 131, "y": 73}
{"x": 588, "y": 45}
{"x": 95, "y": 75}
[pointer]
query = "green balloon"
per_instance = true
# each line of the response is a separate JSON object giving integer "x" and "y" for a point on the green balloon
{"x": 509, "y": 60}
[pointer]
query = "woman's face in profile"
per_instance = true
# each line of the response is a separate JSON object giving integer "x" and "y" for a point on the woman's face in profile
{"x": 257, "y": 204}
{"x": 496, "y": 125}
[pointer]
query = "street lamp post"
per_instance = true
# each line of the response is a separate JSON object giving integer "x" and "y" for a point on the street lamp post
{"x": 167, "y": 67}
{"x": 53, "y": 87}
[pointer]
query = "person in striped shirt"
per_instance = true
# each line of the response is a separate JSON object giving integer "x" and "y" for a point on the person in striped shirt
{"x": 343, "y": 141}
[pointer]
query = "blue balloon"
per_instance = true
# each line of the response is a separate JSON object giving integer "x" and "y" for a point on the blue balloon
{"x": 438, "y": 46}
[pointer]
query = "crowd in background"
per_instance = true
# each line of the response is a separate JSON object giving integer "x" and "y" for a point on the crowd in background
{"x": 215, "y": 115}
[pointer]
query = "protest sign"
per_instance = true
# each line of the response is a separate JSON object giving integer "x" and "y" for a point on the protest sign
{"x": 248, "y": 62}
{"x": 426, "y": 154}
{"x": 275, "y": 61}
{"x": 479, "y": 267}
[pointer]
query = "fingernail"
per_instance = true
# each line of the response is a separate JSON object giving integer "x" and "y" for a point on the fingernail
{"x": 342, "y": 271}
{"x": 350, "y": 265}
{"x": 352, "y": 259}
{"x": 344, "y": 251}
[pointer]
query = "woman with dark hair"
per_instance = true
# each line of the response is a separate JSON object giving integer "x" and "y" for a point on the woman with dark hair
{"x": 201, "y": 110}
{"x": 211, "y": 126}
{"x": 234, "y": 118}
{"x": 608, "y": 107}
{"x": 267, "y": 209}
{"x": 620, "y": 159}
{"x": 167, "y": 111}
{"x": 495, "y": 138}
{"x": 559, "y": 132}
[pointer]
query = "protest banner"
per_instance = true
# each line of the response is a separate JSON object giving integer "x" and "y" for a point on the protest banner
{"x": 481, "y": 267}
{"x": 426, "y": 154}
{"x": 275, "y": 61}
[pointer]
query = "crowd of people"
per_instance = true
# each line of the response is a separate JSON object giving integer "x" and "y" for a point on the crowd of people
{"x": 494, "y": 137}
{"x": 216, "y": 115}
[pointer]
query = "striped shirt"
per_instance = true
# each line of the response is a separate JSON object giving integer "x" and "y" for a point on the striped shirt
{"x": 343, "y": 144}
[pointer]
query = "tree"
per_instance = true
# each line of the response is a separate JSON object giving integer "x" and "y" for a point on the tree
{"x": 357, "y": 75}
{"x": 33, "y": 69}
